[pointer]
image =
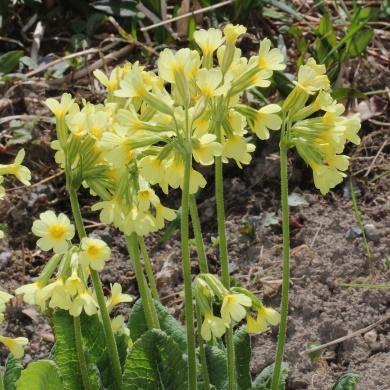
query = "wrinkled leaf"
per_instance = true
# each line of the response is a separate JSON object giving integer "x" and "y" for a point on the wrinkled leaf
{"x": 264, "y": 379}
{"x": 155, "y": 362}
{"x": 347, "y": 381}
{"x": 40, "y": 375}
{"x": 65, "y": 352}
{"x": 137, "y": 324}
{"x": 216, "y": 365}
{"x": 242, "y": 348}
{"x": 13, "y": 369}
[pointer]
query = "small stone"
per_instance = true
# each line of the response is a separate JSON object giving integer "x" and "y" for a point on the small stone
{"x": 370, "y": 338}
{"x": 354, "y": 232}
{"x": 5, "y": 257}
{"x": 48, "y": 337}
{"x": 372, "y": 233}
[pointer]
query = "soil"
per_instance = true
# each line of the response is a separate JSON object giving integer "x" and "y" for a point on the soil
{"x": 327, "y": 247}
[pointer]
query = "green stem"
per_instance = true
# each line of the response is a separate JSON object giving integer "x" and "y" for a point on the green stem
{"x": 1, "y": 381}
{"x": 189, "y": 315}
{"x": 80, "y": 353}
{"x": 147, "y": 301}
{"x": 202, "y": 351}
{"x": 286, "y": 266}
{"x": 204, "y": 269}
{"x": 110, "y": 339}
{"x": 148, "y": 268}
{"x": 223, "y": 254}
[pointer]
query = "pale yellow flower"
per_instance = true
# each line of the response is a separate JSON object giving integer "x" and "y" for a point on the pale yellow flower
{"x": 146, "y": 196}
{"x": 269, "y": 59}
{"x": 212, "y": 326}
{"x": 22, "y": 173}
{"x": 326, "y": 177}
{"x": 84, "y": 301}
{"x": 265, "y": 119}
{"x": 232, "y": 32}
{"x": 60, "y": 108}
{"x": 184, "y": 61}
{"x": 30, "y": 292}
{"x": 117, "y": 297}
{"x": 55, "y": 231}
{"x": 111, "y": 83}
{"x": 208, "y": 40}
{"x": 236, "y": 148}
{"x": 163, "y": 213}
{"x": 16, "y": 346}
{"x": 208, "y": 82}
{"x": 234, "y": 307}
{"x": 94, "y": 253}
{"x": 206, "y": 148}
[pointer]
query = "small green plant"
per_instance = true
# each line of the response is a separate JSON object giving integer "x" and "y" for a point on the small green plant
{"x": 148, "y": 132}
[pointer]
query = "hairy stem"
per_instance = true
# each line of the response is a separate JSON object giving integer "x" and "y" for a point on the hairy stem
{"x": 286, "y": 267}
{"x": 148, "y": 268}
{"x": 189, "y": 314}
{"x": 223, "y": 255}
{"x": 202, "y": 351}
{"x": 80, "y": 353}
{"x": 144, "y": 291}
{"x": 198, "y": 236}
{"x": 110, "y": 339}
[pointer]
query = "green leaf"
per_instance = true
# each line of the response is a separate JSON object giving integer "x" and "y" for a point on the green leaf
{"x": 217, "y": 367}
{"x": 104, "y": 364}
{"x": 155, "y": 362}
{"x": 347, "y": 93}
{"x": 283, "y": 83}
{"x": 301, "y": 43}
{"x": 13, "y": 369}
{"x": 10, "y": 60}
{"x": 360, "y": 41}
{"x": 40, "y": 375}
{"x": 21, "y": 131}
{"x": 264, "y": 379}
{"x": 65, "y": 351}
{"x": 282, "y": 5}
{"x": 242, "y": 347}
{"x": 172, "y": 327}
{"x": 347, "y": 381}
{"x": 93, "y": 336}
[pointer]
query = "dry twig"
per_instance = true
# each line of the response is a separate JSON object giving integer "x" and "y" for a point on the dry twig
{"x": 348, "y": 336}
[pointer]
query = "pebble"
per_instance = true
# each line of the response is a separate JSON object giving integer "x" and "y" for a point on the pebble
{"x": 5, "y": 257}
{"x": 353, "y": 233}
{"x": 372, "y": 233}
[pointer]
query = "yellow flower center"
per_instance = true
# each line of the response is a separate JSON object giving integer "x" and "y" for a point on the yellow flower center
{"x": 144, "y": 194}
{"x": 262, "y": 63}
{"x": 93, "y": 250}
{"x": 96, "y": 132}
{"x": 57, "y": 232}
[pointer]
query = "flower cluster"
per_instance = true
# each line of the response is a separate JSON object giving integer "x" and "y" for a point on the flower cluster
{"x": 318, "y": 130}
{"x": 69, "y": 289}
{"x": 15, "y": 345}
{"x": 235, "y": 304}
{"x": 141, "y": 135}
